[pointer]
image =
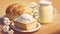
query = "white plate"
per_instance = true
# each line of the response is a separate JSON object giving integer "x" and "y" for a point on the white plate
{"x": 33, "y": 30}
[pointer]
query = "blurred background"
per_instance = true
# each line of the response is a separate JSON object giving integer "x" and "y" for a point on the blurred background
{"x": 5, "y": 3}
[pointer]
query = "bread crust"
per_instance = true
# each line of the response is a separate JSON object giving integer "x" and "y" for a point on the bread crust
{"x": 15, "y": 10}
{"x": 26, "y": 26}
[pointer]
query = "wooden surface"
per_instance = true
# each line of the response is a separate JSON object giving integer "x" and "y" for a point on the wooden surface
{"x": 52, "y": 28}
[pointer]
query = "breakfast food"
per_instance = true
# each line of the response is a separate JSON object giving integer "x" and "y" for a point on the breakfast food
{"x": 15, "y": 10}
{"x": 26, "y": 22}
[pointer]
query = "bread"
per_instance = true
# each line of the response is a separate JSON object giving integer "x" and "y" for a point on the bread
{"x": 27, "y": 26}
{"x": 15, "y": 10}
{"x": 26, "y": 22}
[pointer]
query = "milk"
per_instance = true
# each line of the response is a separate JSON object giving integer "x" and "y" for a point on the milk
{"x": 45, "y": 12}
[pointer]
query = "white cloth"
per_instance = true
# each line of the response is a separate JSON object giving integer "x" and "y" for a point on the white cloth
{"x": 25, "y": 17}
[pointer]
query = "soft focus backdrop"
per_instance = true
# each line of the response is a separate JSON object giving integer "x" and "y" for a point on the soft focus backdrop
{"x": 5, "y": 3}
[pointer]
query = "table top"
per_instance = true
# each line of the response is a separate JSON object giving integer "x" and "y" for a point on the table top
{"x": 51, "y": 28}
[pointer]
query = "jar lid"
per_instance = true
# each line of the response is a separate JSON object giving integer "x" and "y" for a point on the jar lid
{"x": 45, "y": 3}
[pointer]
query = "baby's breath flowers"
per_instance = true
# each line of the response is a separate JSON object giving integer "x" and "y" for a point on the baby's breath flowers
{"x": 11, "y": 32}
{"x": 6, "y": 27}
{"x": 34, "y": 12}
{"x": 6, "y": 21}
{"x": 33, "y": 5}
{"x": 12, "y": 23}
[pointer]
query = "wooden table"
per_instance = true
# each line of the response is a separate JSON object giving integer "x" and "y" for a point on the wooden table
{"x": 52, "y": 28}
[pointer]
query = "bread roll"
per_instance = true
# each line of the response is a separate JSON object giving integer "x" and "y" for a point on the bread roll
{"x": 15, "y": 10}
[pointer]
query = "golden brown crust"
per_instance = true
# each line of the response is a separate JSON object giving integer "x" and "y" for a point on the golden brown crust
{"x": 15, "y": 10}
{"x": 27, "y": 26}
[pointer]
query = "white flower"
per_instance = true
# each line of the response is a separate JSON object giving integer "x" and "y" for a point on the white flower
{"x": 10, "y": 32}
{"x": 35, "y": 10}
{"x": 6, "y": 18}
{"x": 35, "y": 13}
{"x": 32, "y": 5}
{"x": 5, "y": 28}
{"x": 6, "y": 21}
{"x": 12, "y": 23}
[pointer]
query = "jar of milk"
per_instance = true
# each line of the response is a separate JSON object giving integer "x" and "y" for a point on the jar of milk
{"x": 45, "y": 12}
